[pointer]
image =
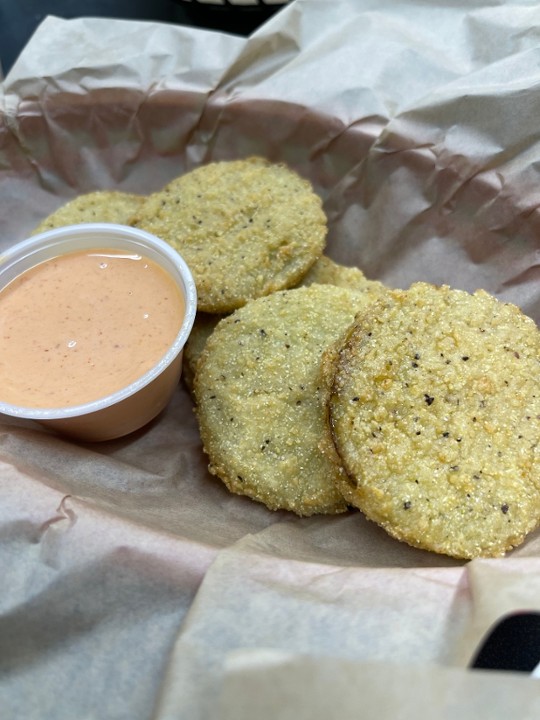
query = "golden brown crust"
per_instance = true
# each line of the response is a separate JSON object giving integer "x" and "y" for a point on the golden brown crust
{"x": 203, "y": 327}
{"x": 435, "y": 412}
{"x": 328, "y": 272}
{"x": 324, "y": 271}
{"x": 246, "y": 228}
{"x": 261, "y": 399}
{"x": 110, "y": 206}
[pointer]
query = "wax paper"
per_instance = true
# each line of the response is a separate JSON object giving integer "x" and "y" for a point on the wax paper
{"x": 133, "y": 584}
{"x": 257, "y": 681}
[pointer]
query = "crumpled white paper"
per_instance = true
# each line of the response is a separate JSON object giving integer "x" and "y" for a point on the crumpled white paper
{"x": 417, "y": 124}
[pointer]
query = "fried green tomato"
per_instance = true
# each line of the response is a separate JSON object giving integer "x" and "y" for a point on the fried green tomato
{"x": 324, "y": 271}
{"x": 109, "y": 206}
{"x": 435, "y": 414}
{"x": 261, "y": 398}
{"x": 202, "y": 329}
{"x": 246, "y": 228}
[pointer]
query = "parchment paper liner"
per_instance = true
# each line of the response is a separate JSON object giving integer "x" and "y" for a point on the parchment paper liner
{"x": 405, "y": 123}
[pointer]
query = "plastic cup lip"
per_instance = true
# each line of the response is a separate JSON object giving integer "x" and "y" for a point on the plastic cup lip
{"x": 82, "y": 236}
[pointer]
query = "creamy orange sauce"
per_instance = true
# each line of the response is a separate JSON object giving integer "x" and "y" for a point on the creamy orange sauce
{"x": 84, "y": 325}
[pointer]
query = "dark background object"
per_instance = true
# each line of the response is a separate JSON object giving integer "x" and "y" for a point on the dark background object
{"x": 238, "y": 19}
{"x": 19, "y": 18}
{"x": 513, "y": 644}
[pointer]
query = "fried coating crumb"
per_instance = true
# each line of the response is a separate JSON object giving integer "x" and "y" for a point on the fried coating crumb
{"x": 202, "y": 328}
{"x": 435, "y": 413}
{"x": 110, "y": 206}
{"x": 325, "y": 271}
{"x": 246, "y": 228}
{"x": 261, "y": 397}
{"x": 328, "y": 272}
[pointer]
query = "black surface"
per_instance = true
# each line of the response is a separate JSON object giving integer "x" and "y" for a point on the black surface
{"x": 513, "y": 644}
{"x": 19, "y": 18}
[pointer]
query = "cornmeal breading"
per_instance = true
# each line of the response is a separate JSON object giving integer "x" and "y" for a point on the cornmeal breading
{"x": 435, "y": 413}
{"x": 328, "y": 272}
{"x": 109, "y": 206}
{"x": 246, "y": 228}
{"x": 324, "y": 271}
{"x": 261, "y": 397}
{"x": 202, "y": 328}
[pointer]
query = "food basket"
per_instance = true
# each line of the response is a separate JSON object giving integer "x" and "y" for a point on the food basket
{"x": 135, "y": 585}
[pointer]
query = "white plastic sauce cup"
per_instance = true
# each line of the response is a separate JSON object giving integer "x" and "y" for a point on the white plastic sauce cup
{"x": 133, "y": 406}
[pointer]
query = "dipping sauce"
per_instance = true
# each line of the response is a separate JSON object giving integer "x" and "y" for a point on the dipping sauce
{"x": 84, "y": 325}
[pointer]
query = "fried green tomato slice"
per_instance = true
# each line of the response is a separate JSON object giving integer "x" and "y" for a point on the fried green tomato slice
{"x": 261, "y": 398}
{"x": 246, "y": 228}
{"x": 202, "y": 329}
{"x": 109, "y": 206}
{"x": 435, "y": 413}
{"x": 324, "y": 271}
